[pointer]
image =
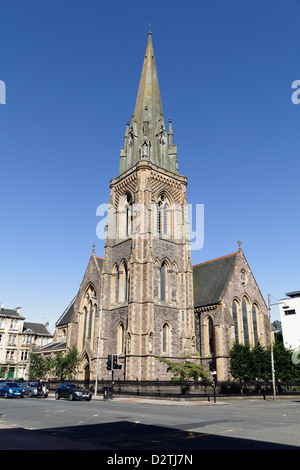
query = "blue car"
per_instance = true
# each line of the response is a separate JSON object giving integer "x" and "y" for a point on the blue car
{"x": 11, "y": 389}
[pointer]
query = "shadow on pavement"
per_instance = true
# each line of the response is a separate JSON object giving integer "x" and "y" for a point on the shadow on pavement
{"x": 125, "y": 436}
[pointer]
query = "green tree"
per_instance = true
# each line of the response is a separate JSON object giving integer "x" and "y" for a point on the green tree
{"x": 250, "y": 364}
{"x": 277, "y": 325}
{"x": 260, "y": 363}
{"x": 285, "y": 369}
{"x": 39, "y": 366}
{"x": 65, "y": 366}
{"x": 241, "y": 362}
{"x": 184, "y": 371}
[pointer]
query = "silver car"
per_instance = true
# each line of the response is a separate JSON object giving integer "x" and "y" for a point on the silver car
{"x": 30, "y": 389}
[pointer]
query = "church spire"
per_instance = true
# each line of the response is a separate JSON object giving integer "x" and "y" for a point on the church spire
{"x": 147, "y": 137}
{"x": 148, "y": 106}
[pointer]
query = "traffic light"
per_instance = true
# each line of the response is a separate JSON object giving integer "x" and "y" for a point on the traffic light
{"x": 212, "y": 365}
{"x": 109, "y": 362}
{"x": 115, "y": 361}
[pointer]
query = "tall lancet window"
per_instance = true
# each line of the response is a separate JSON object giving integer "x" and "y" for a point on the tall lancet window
{"x": 84, "y": 325}
{"x": 235, "y": 320}
{"x": 123, "y": 282}
{"x": 162, "y": 216}
{"x": 121, "y": 338}
{"x": 89, "y": 333}
{"x": 128, "y": 221}
{"x": 115, "y": 285}
{"x": 163, "y": 281}
{"x": 211, "y": 345}
{"x": 166, "y": 338}
{"x": 89, "y": 309}
{"x": 245, "y": 320}
{"x": 254, "y": 320}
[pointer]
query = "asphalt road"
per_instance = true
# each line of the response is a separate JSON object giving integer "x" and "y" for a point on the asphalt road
{"x": 135, "y": 425}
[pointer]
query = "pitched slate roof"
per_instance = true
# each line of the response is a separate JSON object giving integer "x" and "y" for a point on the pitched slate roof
{"x": 210, "y": 278}
{"x": 6, "y": 312}
{"x": 100, "y": 262}
{"x": 67, "y": 315}
{"x": 36, "y": 328}
{"x": 57, "y": 346}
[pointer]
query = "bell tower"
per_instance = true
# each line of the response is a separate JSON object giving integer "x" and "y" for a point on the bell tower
{"x": 147, "y": 280}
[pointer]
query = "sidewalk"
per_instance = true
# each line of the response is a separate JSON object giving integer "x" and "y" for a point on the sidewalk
{"x": 152, "y": 401}
{"x": 162, "y": 401}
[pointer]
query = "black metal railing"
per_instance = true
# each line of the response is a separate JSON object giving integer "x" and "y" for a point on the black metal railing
{"x": 192, "y": 390}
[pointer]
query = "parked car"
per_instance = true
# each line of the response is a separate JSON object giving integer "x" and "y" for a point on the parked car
{"x": 30, "y": 389}
{"x": 72, "y": 391}
{"x": 11, "y": 389}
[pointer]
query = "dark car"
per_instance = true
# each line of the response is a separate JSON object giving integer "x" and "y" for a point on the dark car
{"x": 72, "y": 391}
{"x": 30, "y": 389}
{"x": 11, "y": 389}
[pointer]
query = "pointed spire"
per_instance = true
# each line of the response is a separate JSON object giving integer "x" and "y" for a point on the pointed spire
{"x": 146, "y": 138}
{"x": 148, "y": 106}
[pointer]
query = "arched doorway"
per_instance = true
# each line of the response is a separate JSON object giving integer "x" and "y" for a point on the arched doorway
{"x": 85, "y": 369}
{"x": 86, "y": 375}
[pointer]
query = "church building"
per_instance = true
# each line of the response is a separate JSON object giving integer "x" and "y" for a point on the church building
{"x": 143, "y": 299}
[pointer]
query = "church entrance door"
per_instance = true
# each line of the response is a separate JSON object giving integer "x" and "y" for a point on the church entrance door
{"x": 87, "y": 373}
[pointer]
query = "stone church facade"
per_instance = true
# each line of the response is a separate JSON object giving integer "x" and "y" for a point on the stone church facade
{"x": 144, "y": 299}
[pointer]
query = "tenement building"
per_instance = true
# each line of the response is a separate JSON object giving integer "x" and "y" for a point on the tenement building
{"x": 143, "y": 299}
{"x": 18, "y": 339}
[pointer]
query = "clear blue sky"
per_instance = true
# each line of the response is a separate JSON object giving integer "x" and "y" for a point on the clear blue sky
{"x": 72, "y": 70}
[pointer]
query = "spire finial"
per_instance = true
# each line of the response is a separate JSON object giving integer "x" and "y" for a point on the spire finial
{"x": 93, "y": 250}
{"x": 150, "y": 26}
{"x": 240, "y": 245}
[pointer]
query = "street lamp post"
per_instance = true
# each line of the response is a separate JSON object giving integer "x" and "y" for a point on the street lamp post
{"x": 271, "y": 349}
{"x": 271, "y": 345}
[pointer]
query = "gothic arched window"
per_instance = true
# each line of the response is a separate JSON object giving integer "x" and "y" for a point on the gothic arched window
{"x": 125, "y": 216}
{"x": 120, "y": 339}
{"x": 123, "y": 282}
{"x": 245, "y": 320}
{"x": 84, "y": 325}
{"x": 254, "y": 321}
{"x": 166, "y": 338}
{"x": 211, "y": 342}
{"x": 163, "y": 282}
{"x": 162, "y": 216}
{"x": 129, "y": 219}
{"x": 235, "y": 320}
{"x": 114, "y": 284}
{"x": 89, "y": 309}
{"x": 89, "y": 332}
